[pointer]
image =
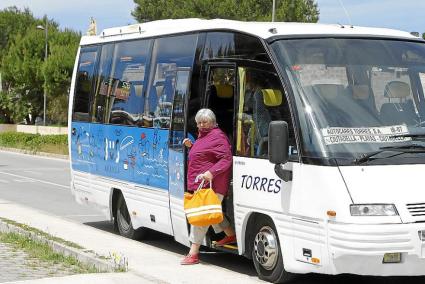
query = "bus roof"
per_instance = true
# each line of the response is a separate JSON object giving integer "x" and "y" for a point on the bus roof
{"x": 263, "y": 30}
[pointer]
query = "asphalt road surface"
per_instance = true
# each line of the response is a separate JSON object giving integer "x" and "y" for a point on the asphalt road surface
{"x": 43, "y": 183}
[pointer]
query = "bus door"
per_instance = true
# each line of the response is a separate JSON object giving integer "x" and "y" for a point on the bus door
{"x": 177, "y": 160}
{"x": 255, "y": 183}
{"x": 219, "y": 94}
{"x": 220, "y": 90}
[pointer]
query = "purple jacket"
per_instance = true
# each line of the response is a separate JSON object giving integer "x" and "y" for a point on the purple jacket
{"x": 210, "y": 152}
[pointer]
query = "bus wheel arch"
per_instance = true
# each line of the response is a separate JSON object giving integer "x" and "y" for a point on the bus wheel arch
{"x": 122, "y": 218}
{"x": 263, "y": 247}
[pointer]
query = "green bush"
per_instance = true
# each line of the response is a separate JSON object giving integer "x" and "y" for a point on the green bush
{"x": 35, "y": 142}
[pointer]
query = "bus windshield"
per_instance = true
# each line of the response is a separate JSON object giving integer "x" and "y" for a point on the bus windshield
{"x": 356, "y": 96}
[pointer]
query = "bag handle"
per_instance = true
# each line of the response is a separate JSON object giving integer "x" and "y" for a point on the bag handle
{"x": 201, "y": 185}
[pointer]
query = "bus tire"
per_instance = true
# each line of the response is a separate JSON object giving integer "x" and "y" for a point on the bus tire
{"x": 266, "y": 253}
{"x": 125, "y": 227}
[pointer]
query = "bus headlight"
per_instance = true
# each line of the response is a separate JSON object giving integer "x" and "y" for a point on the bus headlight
{"x": 373, "y": 210}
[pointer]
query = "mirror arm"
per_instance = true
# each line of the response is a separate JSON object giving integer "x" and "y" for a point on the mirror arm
{"x": 285, "y": 175}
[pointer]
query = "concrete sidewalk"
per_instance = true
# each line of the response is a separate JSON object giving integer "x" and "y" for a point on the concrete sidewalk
{"x": 98, "y": 278}
{"x": 147, "y": 264}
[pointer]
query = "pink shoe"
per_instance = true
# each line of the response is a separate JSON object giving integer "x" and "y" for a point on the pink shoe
{"x": 227, "y": 240}
{"x": 190, "y": 259}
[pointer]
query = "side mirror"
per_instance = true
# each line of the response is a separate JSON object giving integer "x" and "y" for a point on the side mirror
{"x": 278, "y": 142}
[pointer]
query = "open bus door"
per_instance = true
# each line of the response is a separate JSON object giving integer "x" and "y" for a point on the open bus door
{"x": 177, "y": 160}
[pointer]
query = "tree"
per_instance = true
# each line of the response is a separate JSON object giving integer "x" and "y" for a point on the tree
{"x": 25, "y": 73}
{"x": 58, "y": 71}
{"x": 423, "y": 35}
{"x": 245, "y": 10}
{"x": 13, "y": 22}
{"x": 22, "y": 71}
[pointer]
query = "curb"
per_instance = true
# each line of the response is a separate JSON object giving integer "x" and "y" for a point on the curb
{"x": 84, "y": 256}
{"x": 31, "y": 152}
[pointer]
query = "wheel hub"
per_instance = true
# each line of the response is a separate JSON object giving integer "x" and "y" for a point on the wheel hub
{"x": 266, "y": 248}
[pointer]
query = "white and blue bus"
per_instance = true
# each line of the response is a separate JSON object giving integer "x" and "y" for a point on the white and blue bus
{"x": 326, "y": 124}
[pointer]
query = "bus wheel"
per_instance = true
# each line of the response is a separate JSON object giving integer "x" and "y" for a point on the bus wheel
{"x": 125, "y": 227}
{"x": 267, "y": 255}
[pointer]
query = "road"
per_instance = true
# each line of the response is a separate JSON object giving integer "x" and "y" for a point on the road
{"x": 43, "y": 183}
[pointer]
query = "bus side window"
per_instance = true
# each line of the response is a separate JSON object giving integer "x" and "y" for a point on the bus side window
{"x": 169, "y": 55}
{"x": 262, "y": 100}
{"x": 126, "y": 99}
{"x": 104, "y": 83}
{"x": 85, "y": 84}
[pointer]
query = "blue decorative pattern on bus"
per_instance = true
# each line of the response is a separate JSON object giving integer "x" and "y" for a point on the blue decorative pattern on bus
{"x": 133, "y": 154}
{"x": 176, "y": 182}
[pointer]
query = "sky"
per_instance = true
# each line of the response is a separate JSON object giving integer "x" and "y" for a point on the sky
{"x": 404, "y": 15}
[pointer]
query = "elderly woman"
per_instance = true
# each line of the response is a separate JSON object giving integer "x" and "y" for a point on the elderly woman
{"x": 210, "y": 159}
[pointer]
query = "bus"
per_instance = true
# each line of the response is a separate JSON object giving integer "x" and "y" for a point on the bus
{"x": 325, "y": 123}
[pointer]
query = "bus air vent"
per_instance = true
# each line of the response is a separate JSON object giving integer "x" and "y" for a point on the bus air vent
{"x": 416, "y": 209}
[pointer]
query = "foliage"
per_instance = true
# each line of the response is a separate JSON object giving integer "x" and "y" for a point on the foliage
{"x": 57, "y": 110}
{"x": 35, "y": 142}
{"x": 42, "y": 251}
{"x": 13, "y": 22}
{"x": 245, "y": 10}
{"x": 26, "y": 73}
{"x": 21, "y": 68}
{"x": 58, "y": 72}
{"x": 33, "y": 231}
{"x": 423, "y": 35}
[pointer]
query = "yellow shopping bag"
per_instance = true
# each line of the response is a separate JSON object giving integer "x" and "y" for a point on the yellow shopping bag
{"x": 203, "y": 207}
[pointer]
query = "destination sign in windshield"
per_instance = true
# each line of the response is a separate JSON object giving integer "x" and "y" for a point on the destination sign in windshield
{"x": 345, "y": 135}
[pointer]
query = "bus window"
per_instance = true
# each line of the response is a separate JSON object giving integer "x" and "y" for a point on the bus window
{"x": 234, "y": 45}
{"x": 169, "y": 54}
{"x": 104, "y": 83}
{"x": 126, "y": 100}
{"x": 85, "y": 83}
{"x": 261, "y": 101}
{"x": 181, "y": 90}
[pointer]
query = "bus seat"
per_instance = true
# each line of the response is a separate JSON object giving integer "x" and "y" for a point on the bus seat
{"x": 154, "y": 95}
{"x": 397, "y": 89}
{"x": 261, "y": 117}
{"x": 402, "y": 111}
{"x": 159, "y": 86}
{"x": 361, "y": 95}
{"x": 272, "y": 97}
{"x": 328, "y": 92}
{"x": 360, "y": 92}
{"x": 330, "y": 98}
{"x": 138, "y": 89}
{"x": 224, "y": 91}
{"x": 266, "y": 104}
{"x": 361, "y": 108}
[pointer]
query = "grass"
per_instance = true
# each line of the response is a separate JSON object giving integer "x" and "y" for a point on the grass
{"x": 120, "y": 262}
{"x": 56, "y": 144}
{"x": 54, "y": 149}
{"x": 41, "y": 233}
{"x": 43, "y": 252}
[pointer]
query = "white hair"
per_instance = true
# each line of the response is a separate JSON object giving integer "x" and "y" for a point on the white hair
{"x": 205, "y": 114}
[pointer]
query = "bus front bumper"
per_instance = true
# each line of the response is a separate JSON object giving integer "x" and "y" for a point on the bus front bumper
{"x": 360, "y": 249}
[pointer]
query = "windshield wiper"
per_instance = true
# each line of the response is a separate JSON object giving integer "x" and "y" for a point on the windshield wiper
{"x": 406, "y": 148}
{"x": 412, "y": 148}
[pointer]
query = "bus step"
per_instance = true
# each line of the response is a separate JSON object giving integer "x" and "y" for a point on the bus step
{"x": 230, "y": 248}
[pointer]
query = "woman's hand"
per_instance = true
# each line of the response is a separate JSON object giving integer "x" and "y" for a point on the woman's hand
{"x": 205, "y": 176}
{"x": 186, "y": 142}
